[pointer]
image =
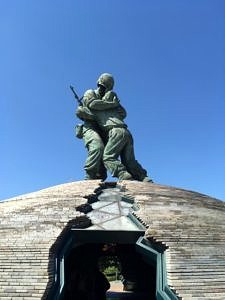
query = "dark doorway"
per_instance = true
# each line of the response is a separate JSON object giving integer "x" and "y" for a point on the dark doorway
{"x": 86, "y": 277}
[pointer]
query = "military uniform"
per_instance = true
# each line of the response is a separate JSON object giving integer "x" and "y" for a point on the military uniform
{"x": 109, "y": 115}
{"x": 88, "y": 131}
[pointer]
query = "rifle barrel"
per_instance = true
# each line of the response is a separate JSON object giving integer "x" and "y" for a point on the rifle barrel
{"x": 75, "y": 95}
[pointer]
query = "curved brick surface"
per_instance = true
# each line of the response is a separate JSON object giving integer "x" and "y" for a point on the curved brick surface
{"x": 30, "y": 225}
{"x": 190, "y": 224}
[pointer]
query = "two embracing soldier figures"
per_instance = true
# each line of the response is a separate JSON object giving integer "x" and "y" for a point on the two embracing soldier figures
{"x": 108, "y": 141}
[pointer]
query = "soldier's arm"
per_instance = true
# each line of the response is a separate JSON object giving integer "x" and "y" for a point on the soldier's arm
{"x": 109, "y": 101}
{"x": 84, "y": 113}
{"x": 88, "y": 97}
{"x": 122, "y": 112}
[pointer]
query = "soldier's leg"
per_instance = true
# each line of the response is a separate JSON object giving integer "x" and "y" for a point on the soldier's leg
{"x": 93, "y": 165}
{"x": 113, "y": 148}
{"x": 129, "y": 161}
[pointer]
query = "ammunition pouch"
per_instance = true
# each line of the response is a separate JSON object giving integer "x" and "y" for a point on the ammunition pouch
{"x": 79, "y": 131}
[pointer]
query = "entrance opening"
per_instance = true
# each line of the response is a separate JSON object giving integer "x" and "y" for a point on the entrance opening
{"x": 107, "y": 265}
{"x": 97, "y": 271}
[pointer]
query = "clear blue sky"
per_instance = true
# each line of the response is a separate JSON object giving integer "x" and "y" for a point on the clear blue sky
{"x": 168, "y": 60}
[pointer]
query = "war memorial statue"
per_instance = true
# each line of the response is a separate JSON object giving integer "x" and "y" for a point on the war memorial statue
{"x": 107, "y": 139}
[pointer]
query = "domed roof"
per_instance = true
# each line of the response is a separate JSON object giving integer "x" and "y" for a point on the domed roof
{"x": 189, "y": 224}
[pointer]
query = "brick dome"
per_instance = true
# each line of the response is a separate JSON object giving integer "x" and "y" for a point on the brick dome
{"x": 190, "y": 226}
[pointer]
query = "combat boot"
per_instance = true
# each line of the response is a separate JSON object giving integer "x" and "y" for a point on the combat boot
{"x": 96, "y": 176}
{"x": 147, "y": 179}
{"x": 125, "y": 176}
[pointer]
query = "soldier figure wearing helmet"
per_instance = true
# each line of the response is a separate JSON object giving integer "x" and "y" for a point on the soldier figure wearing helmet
{"x": 105, "y": 106}
{"x": 94, "y": 167}
{"x": 89, "y": 131}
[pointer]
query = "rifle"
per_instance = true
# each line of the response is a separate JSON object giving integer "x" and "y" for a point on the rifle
{"x": 79, "y": 100}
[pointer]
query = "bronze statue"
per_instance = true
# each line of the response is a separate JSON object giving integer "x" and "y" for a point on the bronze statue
{"x": 89, "y": 131}
{"x": 108, "y": 114}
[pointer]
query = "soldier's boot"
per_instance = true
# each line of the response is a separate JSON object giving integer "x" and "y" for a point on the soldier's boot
{"x": 97, "y": 177}
{"x": 101, "y": 176}
{"x": 147, "y": 179}
{"x": 92, "y": 176}
{"x": 88, "y": 177}
{"x": 125, "y": 176}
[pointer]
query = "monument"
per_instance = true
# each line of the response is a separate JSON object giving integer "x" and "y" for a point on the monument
{"x": 106, "y": 136}
{"x": 169, "y": 243}
{"x": 177, "y": 238}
